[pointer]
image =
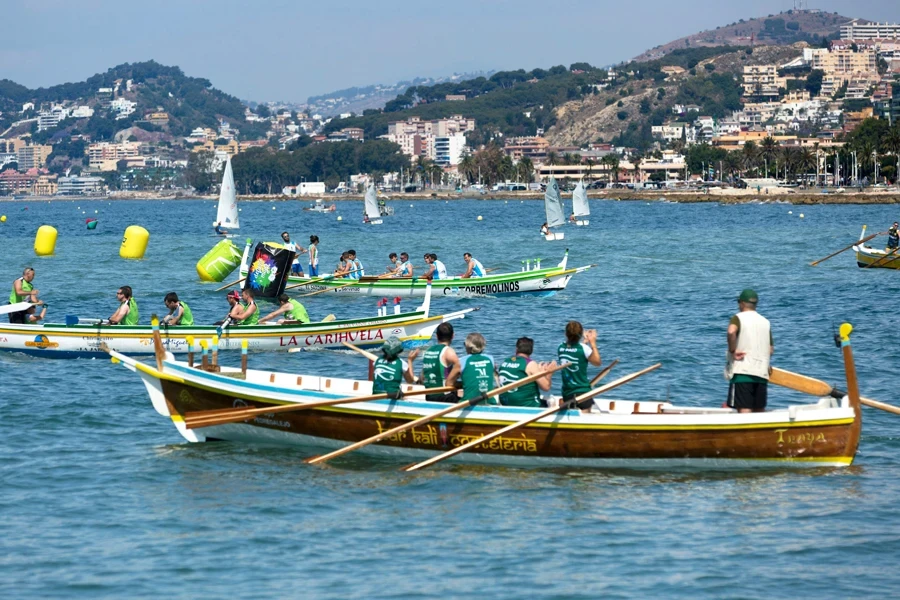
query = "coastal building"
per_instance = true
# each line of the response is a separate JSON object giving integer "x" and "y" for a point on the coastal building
{"x": 843, "y": 65}
{"x": 532, "y": 147}
{"x": 104, "y": 156}
{"x": 33, "y": 156}
{"x": 122, "y": 107}
{"x": 763, "y": 81}
{"x": 80, "y": 186}
{"x": 448, "y": 150}
{"x": 417, "y": 137}
{"x": 11, "y": 146}
{"x": 50, "y": 118}
{"x": 856, "y": 30}
{"x": 157, "y": 118}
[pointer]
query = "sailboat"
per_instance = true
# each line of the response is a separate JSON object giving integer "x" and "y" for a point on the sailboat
{"x": 227, "y": 213}
{"x": 373, "y": 215}
{"x": 553, "y": 206}
{"x": 580, "y": 207}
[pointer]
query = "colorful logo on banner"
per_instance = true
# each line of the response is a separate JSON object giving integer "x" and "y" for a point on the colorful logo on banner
{"x": 269, "y": 270}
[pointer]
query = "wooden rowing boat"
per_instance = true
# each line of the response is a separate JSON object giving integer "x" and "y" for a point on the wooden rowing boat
{"x": 615, "y": 433}
{"x": 540, "y": 282}
{"x": 868, "y": 257}
{"x": 80, "y": 340}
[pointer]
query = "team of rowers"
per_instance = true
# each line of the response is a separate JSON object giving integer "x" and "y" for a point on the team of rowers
{"x": 476, "y": 373}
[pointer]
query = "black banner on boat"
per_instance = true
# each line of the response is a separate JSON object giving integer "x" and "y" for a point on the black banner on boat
{"x": 269, "y": 270}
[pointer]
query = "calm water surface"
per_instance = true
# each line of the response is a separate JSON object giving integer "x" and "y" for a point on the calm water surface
{"x": 101, "y": 498}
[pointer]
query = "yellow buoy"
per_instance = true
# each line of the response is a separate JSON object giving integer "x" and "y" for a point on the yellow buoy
{"x": 45, "y": 240}
{"x": 134, "y": 242}
{"x": 3, "y": 219}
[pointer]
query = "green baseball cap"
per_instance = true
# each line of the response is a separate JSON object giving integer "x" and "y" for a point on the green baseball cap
{"x": 392, "y": 346}
{"x": 749, "y": 296}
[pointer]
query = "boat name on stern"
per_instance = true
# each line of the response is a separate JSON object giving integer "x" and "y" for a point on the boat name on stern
{"x": 429, "y": 437}
{"x": 333, "y": 338}
{"x": 798, "y": 439}
{"x": 490, "y": 288}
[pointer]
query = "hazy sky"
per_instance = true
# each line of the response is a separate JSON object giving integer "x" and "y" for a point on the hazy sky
{"x": 288, "y": 50}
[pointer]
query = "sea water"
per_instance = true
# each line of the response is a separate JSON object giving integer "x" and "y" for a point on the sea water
{"x": 101, "y": 498}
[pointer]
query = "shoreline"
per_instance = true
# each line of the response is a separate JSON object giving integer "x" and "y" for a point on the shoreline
{"x": 722, "y": 196}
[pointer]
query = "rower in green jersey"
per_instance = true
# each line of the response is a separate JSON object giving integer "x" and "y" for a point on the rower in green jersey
{"x": 291, "y": 309}
{"x": 179, "y": 312}
{"x": 249, "y": 315}
{"x": 440, "y": 365}
{"x": 23, "y": 291}
{"x": 578, "y": 354}
{"x": 390, "y": 370}
{"x": 518, "y": 368}
{"x": 477, "y": 374}
{"x": 127, "y": 313}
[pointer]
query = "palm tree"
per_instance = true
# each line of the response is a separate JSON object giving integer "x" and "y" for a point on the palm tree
{"x": 750, "y": 155}
{"x": 527, "y": 169}
{"x": 636, "y": 161}
{"x": 590, "y": 167}
{"x": 733, "y": 161}
{"x": 806, "y": 161}
{"x": 890, "y": 144}
{"x": 467, "y": 168}
{"x": 611, "y": 162}
{"x": 552, "y": 158}
{"x": 768, "y": 150}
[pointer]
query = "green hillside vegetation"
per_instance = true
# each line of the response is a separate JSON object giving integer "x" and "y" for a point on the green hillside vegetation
{"x": 190, "y": 101}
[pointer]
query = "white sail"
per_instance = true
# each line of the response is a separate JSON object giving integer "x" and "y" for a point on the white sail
{"x": 227, "y": 215}
{"x": 580, "y": 201}
{"x": 372, "y": 203}
{"x": 553, "y": 204}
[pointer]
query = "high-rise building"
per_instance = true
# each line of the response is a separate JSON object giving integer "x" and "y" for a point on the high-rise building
{"x": 854, "y": 30}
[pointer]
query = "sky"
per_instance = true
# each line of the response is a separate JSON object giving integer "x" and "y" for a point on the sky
{"x": 282, "y": 50}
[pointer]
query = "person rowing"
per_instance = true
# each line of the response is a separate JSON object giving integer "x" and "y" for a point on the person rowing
{"x": 893, "y": 238}
{"x": 475, "y": 268}
{"x": 436, "y": 269}
{"x": 32, "y": 317}
{"x": 390, "y": 370}
{"x": 356, "y": 267}
{"x": 290, "y": 308}
{"x": 179, "y": 311}
{"x": 127, "y": 313}
{"x": 23, "y": 291}
{"x": 404, "y": 269}
{"x": 248, "y": 314}
{"x": 440, "y": 365}
{"x": 478, "y": 375}
{"x": 520, "y": 366}
{"x": 578, "y": 354}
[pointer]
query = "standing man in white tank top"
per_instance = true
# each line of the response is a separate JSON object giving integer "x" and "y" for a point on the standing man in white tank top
{"x": 750, "y": 348}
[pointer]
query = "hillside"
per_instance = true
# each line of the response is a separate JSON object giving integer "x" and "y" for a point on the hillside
{"x": 618, "y": 114}
{"x": 781, "y": 29}
{"x": 373, "y": 97}
{"x": 189, "y": 102}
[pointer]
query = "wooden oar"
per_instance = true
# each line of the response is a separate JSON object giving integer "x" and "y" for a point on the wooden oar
{"x": 228, "y": 285}
{"x": 882, "y": 259}
{"x": 862, "y": 241}
{"x": 316, "y": 280}
{"x": 523, "y": 422}
{"x": 604, "y": 373}
{"x": 816, "y": 387}
{"x": 431, "y": 417}
{"x": 365, "y": 353}
{"x": 17, "y": 307}
{"x": 236, "y": 415}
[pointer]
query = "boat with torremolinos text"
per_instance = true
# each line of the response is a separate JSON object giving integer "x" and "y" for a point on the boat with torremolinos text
{"x": 554, "y": 209}
{"x": 323, "y": 413}
{"x": 80, "y": 338}
{"x": 227, "y": 211}
{"x": 530, "y": 280}
{"x": 581, "y": 208}
{"x": 868, "y": 257}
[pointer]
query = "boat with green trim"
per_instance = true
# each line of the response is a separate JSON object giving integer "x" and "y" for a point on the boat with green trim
{"x": 537, "y": 281}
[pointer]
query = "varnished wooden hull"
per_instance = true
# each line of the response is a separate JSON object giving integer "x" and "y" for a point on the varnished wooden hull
{"x": 873, "y": 258}
{"x": 826, "y": 434}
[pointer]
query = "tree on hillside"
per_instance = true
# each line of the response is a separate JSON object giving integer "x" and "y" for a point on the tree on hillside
{"x": 201, "y": 173}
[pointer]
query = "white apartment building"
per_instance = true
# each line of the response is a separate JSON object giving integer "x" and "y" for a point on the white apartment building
{"x": 123, "y": 107}
{"x": 448, "y": 150}
{"x": 854, "y": 30}
{"x": 80, "y": 186}
{"x": 103, "y": 156}
{"x": 48, "y": 119}
{"x": 82, "y": 112}
{"x": 762, "y": 81}
{"x": 671, "y": 133}
{"x": 418, "y": 138}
